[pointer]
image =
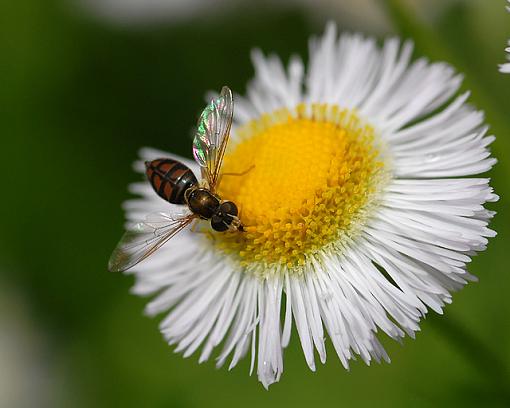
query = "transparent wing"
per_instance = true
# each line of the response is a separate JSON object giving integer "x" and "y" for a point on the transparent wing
{"x": 145, "y": 238}
{"x": 211, "y": 138}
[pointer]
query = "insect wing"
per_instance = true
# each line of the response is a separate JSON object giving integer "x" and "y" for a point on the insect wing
{"x": 212, "y": 135}
{"x": 145, "y": 238}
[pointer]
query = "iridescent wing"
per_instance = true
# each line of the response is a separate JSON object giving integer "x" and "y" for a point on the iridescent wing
{"x": 212, "y": 135}
{"x": 145, "y": 238}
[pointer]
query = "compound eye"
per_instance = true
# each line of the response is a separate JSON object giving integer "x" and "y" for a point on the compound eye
{"x": 228, "y": 207}
{"x": 219, "y": 223}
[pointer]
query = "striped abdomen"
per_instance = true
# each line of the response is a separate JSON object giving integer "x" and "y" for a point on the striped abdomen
{"x": 170, "y": 179}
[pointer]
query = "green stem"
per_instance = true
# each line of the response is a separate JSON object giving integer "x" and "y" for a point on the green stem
{"x": 479, "y": 355}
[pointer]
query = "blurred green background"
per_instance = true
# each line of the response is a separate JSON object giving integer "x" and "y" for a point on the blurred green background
{"x": 84, "y": 84}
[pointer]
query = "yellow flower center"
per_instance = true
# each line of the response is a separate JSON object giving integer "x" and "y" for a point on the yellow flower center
{"x": 308, "y": 177}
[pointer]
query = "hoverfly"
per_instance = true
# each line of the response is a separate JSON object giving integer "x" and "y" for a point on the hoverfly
{"x": 176, "y": 183}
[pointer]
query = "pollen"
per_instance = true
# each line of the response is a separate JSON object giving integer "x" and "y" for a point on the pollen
{"x": 303, "y": 179}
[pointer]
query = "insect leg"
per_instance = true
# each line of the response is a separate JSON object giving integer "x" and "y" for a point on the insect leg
{"x": 236, "y": 224}
{"x": 241, "y": 173}
{"x": 236, "y": 174}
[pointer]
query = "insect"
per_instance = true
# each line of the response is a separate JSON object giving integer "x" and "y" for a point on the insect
{"x": 176, "y": 183}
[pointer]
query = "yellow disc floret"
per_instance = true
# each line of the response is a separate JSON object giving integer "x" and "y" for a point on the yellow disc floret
{"x": 302, "y": 180}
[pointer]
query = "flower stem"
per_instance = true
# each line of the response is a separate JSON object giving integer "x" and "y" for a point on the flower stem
{"x": 478, "y": 354}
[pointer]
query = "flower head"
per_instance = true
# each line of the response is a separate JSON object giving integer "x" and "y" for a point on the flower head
{"x": 359, "y": 209}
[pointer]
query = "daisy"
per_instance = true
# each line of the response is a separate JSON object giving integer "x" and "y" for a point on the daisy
{"x": 505, "y": 68}
{"x": 359, "y": 205}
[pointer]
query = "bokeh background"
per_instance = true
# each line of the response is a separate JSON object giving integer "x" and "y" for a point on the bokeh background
{"x": 85, "y": 83}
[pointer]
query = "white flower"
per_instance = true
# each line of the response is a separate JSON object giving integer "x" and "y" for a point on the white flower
{"x": 360, "y": 211}
{"x": 505, "y": 68}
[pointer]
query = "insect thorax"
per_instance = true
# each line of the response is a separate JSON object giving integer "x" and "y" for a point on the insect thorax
{"x": 202, "y": 202}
